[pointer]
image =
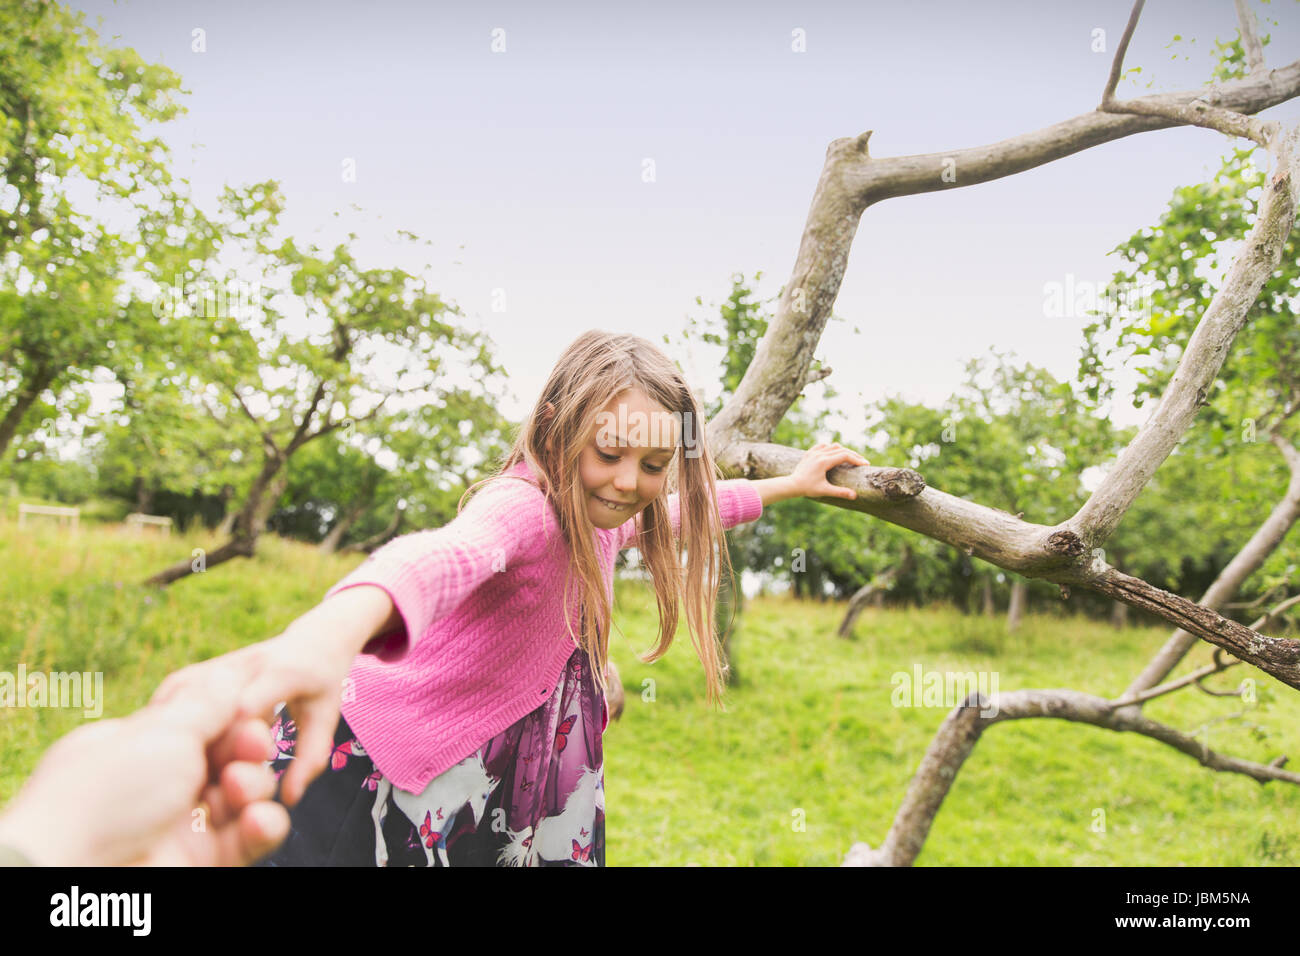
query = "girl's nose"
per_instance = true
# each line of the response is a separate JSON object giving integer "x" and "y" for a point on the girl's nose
{"x": 625, "y": 480}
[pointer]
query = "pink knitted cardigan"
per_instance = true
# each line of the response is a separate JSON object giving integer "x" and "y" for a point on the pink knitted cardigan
{"x": 485, "y": 640}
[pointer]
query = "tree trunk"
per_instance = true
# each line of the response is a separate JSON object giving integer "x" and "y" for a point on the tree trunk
{"x": 144, "y": 494}
{"x": 27, "y": 395}
{"x": 1016, "y": 609}
{"x": 726, "y": 620}
{"x": 246, "y": 526}
{"x": 990, "y": 609}
{"x": 330, "y": 543}
{"x": 1118, "y": 615}
{"x": 813, "y": 579}
{"x": 376, "y": 540}
{"x": 874, "y": 591}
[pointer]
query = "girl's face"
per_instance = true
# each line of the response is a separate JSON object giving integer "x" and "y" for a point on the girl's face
{"x": 625, "y": 462}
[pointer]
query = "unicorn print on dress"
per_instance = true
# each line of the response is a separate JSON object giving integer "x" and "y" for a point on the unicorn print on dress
{"x": 566, "y": 836}
{"x": 433, "y": 811}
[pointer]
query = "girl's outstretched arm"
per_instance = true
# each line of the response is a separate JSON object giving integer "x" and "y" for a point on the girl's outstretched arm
{"x": 807, "y": 480}
{"x": 398, "y": 591}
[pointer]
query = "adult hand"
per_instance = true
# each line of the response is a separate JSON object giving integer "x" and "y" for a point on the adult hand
{"x": 180, "y": 783}
{"x": 303, "y": 667}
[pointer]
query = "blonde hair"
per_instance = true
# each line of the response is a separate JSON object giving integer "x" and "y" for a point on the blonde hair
{"x": 594, "y": 369}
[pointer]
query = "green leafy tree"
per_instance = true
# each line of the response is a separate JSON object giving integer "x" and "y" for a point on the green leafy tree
{"x": 1168, "y": 275}
{"x": 338, "y": 489}
{"x": 323, "y": 344}
{"x": 813, "y": 547}
{"x": 1012, "y": 437}
{"x": 73, "y": 158}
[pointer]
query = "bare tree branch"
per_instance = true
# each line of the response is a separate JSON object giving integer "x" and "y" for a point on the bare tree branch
{"x": 1194, "y": 677}
{"x": 267, "y": 438}
{"x": 1262, "y": 543}
{"x": 851, "y": 181}
{"x": 1198, "y": 112}
{"x": 816, "y": 375}
{"x": 960, "y": 732}
{"x": 298, "y": 440}
{"x": 1056, "y": 554}
{"x": 1250, "y": 44}
{"x": 1201, "y": 113}
{"x": 1121, "y": 51}
{"x": 962, "y": 728}
{"x": 1273, "y": 615}
{"x": 1205, "y": 353}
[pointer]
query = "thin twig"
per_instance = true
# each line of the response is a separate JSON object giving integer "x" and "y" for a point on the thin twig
{"x": 1206, "y": 670}
{"x": 1117, "y": 64}
{"x": 1254, "y": 50}
{"x": 1199, "y": 112}
{"x": 1173, "y": 685}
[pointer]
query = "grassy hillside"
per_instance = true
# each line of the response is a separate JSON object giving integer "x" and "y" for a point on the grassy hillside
{"x": 809, "y": 734}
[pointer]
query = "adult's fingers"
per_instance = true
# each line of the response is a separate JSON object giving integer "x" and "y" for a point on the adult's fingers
{"x": 260, "y": 828}
{"x": 242, "y": 783}
{"x": 246, "y": 738}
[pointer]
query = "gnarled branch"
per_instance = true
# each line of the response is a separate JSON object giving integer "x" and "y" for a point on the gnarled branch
{"x": 962, "y": 728}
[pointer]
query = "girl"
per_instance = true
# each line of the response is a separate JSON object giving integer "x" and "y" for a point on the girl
{"x": 472, "y": 707}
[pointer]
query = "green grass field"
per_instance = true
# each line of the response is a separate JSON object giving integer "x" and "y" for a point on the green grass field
{"x": 809, "y": 734}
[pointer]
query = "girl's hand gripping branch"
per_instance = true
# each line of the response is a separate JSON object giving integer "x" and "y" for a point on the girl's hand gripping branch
{"x": 808, "y": 480}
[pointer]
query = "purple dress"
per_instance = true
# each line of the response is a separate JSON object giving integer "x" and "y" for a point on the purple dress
{"x": 533, "y": 795}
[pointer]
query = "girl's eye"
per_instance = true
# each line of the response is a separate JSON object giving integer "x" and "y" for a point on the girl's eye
{"x": 610, "y": 459}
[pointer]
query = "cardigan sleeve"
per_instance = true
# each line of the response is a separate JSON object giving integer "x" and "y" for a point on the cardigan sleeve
{"x": 738, "y": 502}
{"x": 427, "y": 574}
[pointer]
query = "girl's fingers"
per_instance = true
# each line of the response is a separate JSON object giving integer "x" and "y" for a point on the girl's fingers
{"x": 316, "y": 729}
{"x": 263, "y": 695}
{"x": 846, "y": 454}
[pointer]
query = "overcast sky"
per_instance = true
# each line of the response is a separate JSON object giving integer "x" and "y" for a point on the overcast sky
{"x": 525, "y": 166}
